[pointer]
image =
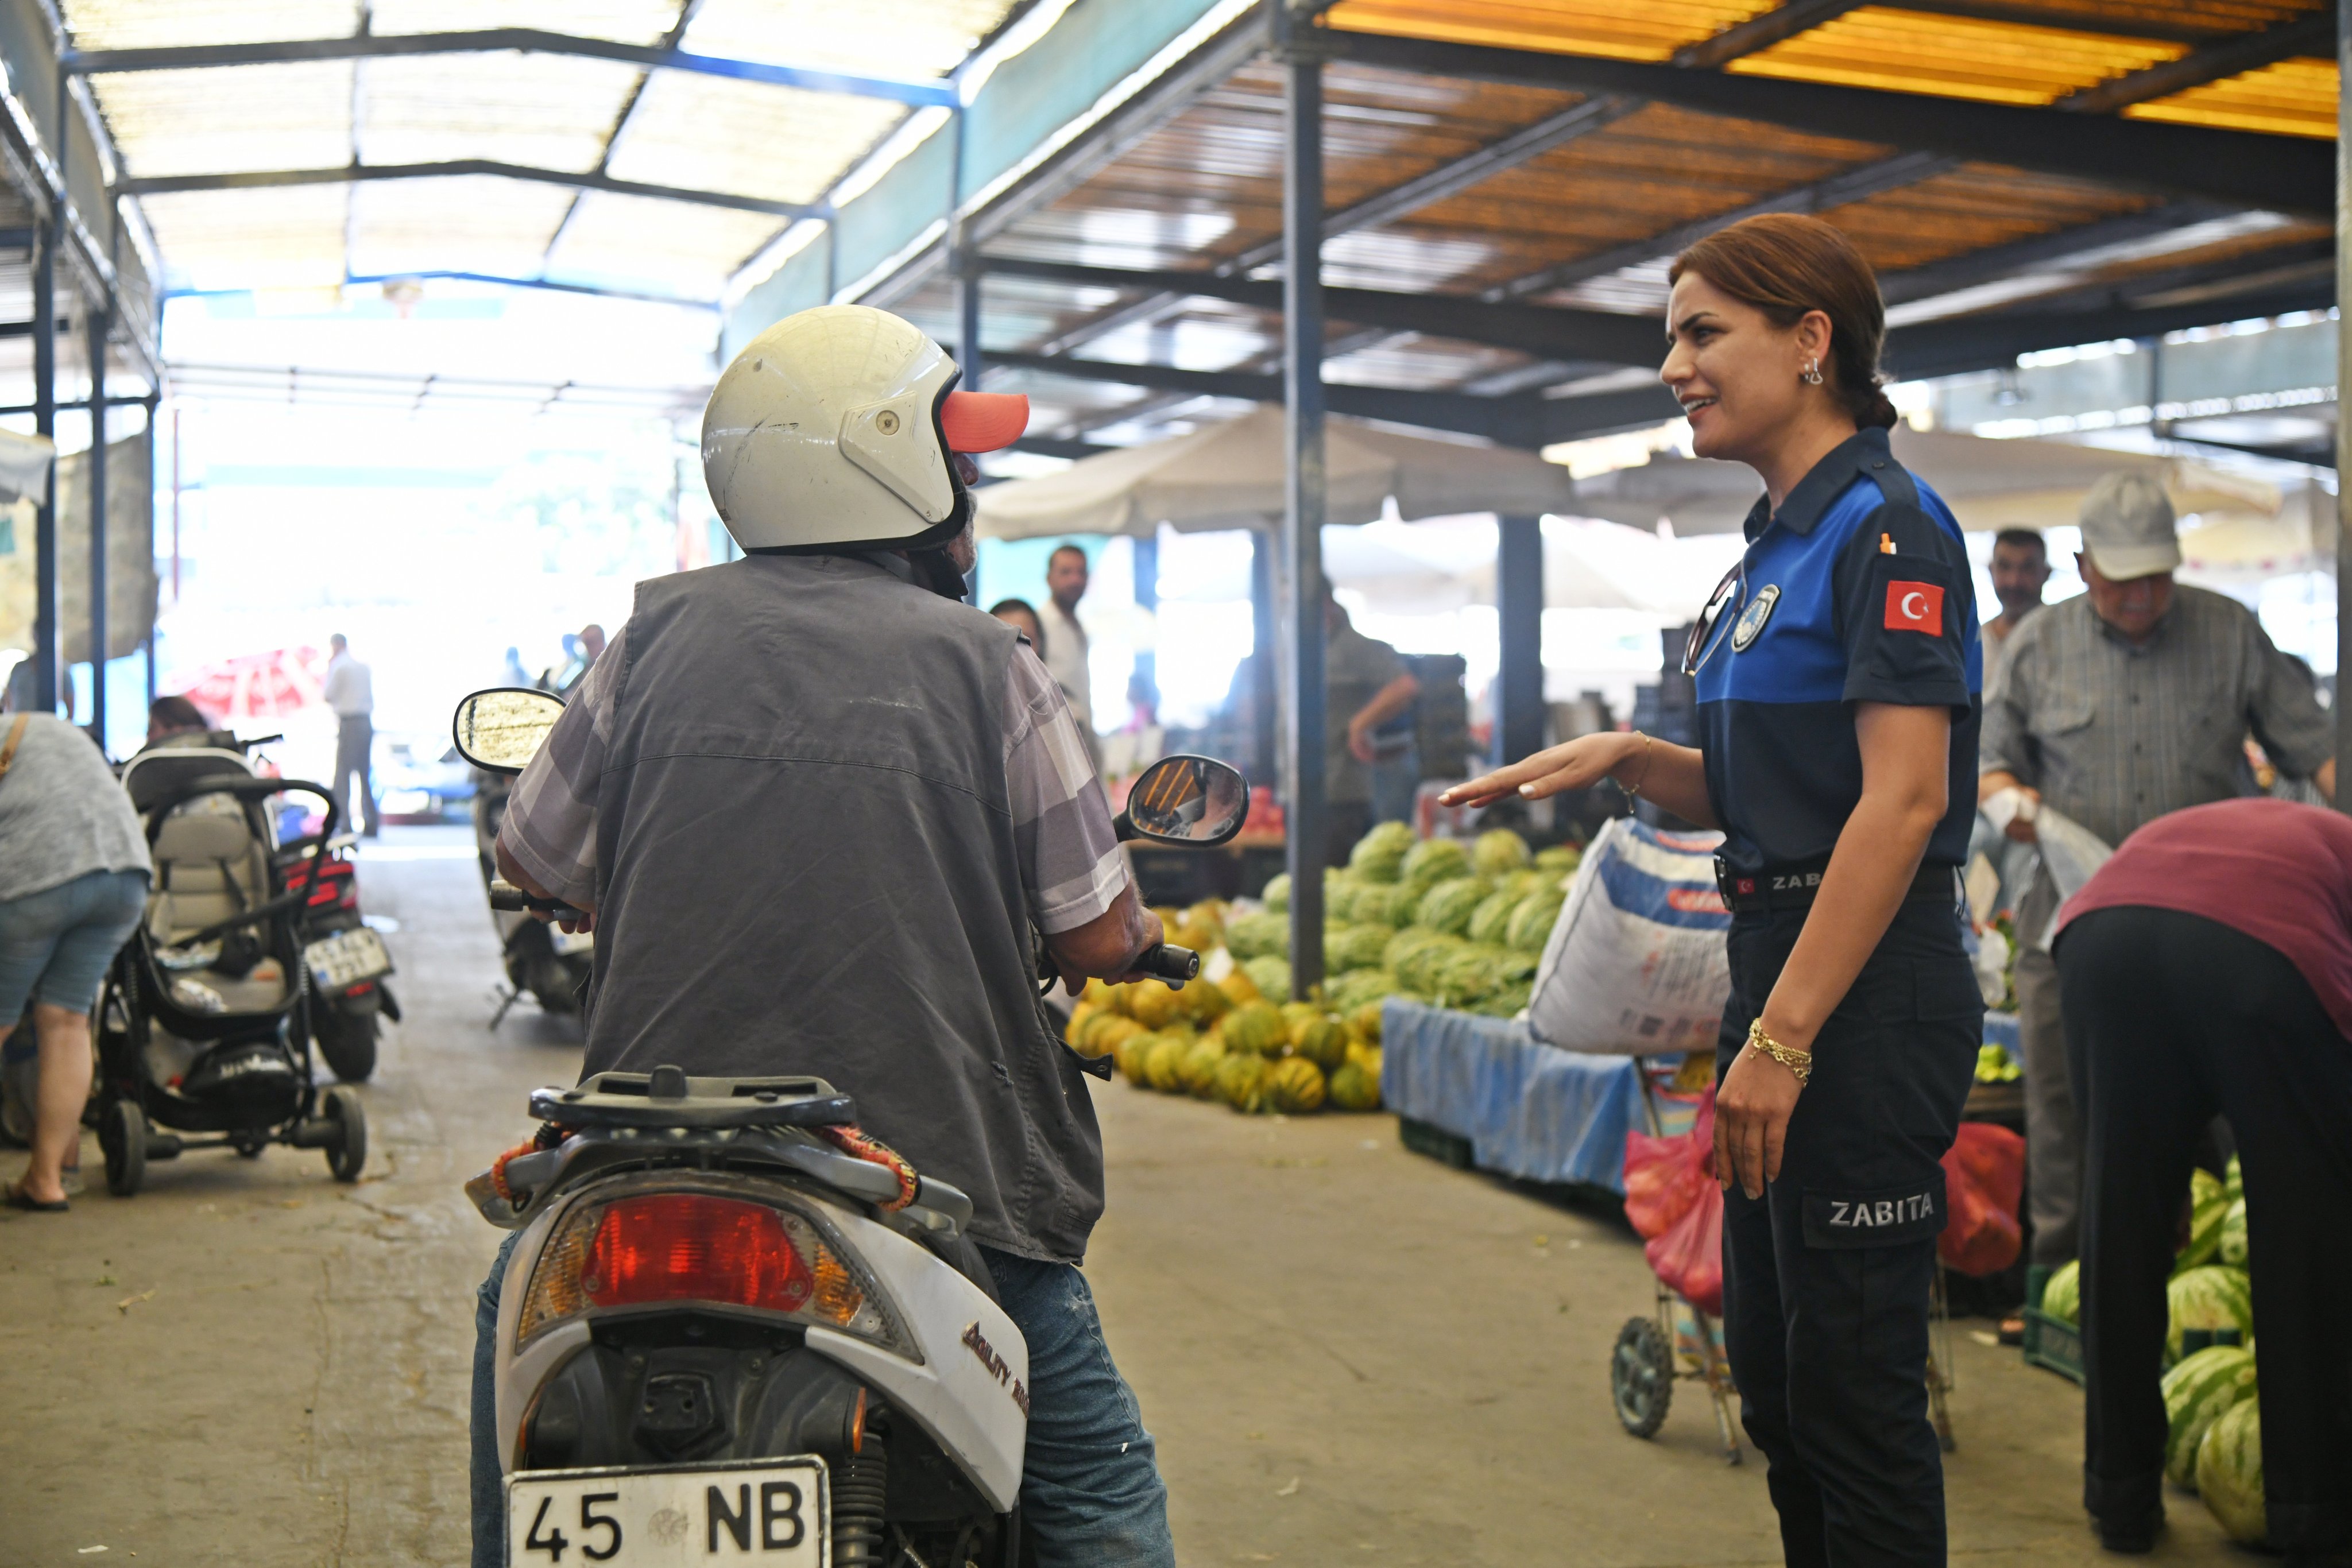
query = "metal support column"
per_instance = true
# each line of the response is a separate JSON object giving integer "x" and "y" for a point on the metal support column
{"x": 47, "y": 645}
{"x": 1147, "y": 597}
{"x": 1518, "y": 610}
{"x": 98, "y": 322}
{"x": 968, "y": 323}
{"x": 2343, "y": 434}
{"x": 1265, "y": 754}
{"x": 1302, "y": 524}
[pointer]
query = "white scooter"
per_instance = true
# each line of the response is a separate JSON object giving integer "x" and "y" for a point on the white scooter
{"x": 735, "y": 1328}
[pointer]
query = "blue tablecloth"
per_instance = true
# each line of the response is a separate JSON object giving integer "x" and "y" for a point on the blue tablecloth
{"x": 1528, "y": 1109}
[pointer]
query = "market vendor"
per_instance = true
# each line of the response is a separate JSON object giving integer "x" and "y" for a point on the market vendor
{"x": 1838, "y": 671}
{"x": 2200, "y": 984}
{"x": 2114, "y": 707}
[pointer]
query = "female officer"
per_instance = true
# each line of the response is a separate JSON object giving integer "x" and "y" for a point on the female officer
{"x": 1838, "y": 674}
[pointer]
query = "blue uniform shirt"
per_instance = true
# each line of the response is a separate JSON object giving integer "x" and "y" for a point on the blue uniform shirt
{"x": 1858, "y": 591}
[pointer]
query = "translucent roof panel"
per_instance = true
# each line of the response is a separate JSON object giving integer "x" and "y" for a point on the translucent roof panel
{"x": 253, "y": 239}
{"x": 714, "y": 133}
{"x": 168, "y": 24}
{"x": 232, "y": 120}
{"x": 2292, "y": 98}
{"x": 666, "y": 247}
{"x": 1648, "y": 30}
{"x": 1956, "y": 57}
{"x": 552, "y": 111}
{"x": 899, "y": 39}
{"x": 475, "y": 223}
{"x": 628, "y": 21}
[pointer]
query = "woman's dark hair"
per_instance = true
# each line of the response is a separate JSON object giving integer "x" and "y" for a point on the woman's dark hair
{"x": 1786, "y": 265}
{"x": 177, "y": 713}
{"x": 1022, "y": 605}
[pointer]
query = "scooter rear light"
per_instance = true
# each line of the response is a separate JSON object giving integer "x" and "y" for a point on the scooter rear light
{"x": 690, "y": 1246}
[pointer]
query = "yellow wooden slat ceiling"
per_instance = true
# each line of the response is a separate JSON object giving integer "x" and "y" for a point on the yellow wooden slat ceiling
{"x": 2292, "y": 98}
{"x": 1640, "y": 30}
{"x": 1955, "y": 57}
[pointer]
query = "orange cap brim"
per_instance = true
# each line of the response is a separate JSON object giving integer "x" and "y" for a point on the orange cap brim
{"x": 982, "y": 421}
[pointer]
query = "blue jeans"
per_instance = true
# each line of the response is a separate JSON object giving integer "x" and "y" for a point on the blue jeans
{"x": 1091, "y": 1495}
{"x": 55, "y": 945}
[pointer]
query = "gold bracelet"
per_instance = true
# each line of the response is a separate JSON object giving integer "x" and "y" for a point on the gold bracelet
{"x": 1634, "y": 791}
{"x": 1800, "y": 1064}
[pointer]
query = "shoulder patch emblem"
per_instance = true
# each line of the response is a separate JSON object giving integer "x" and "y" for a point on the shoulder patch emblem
{"x": 1750, "y": 625}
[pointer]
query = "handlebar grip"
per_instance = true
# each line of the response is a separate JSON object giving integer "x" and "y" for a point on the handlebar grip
{"x": 1170, "y": 962}
{"x": 505, "y": 895}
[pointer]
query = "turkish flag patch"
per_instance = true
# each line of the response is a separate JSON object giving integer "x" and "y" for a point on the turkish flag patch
{"x": 1915, "y": 607}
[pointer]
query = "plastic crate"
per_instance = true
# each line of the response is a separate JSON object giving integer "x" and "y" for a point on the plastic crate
{"x": 1425, "y": 1138}
{"x": 2054, "y": 1342}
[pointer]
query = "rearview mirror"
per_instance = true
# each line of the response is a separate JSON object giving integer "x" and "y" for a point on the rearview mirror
{"x": 1194, "y": 802}
{"x": 501, "y": 729}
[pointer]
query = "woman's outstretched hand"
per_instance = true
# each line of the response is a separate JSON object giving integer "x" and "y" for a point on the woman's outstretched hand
{"x": 1577, "y": 764}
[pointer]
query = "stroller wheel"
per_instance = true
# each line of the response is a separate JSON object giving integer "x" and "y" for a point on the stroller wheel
{"x": 348, "y": 1154}
{"x": 122, "y": 1136}
{"x": 1642, "y": 1376}
{"x": 247, "y": 1148}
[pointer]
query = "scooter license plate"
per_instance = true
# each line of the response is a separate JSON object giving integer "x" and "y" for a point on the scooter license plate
{"x": 347, "y": 957}
{"x": 774, "y": 1512}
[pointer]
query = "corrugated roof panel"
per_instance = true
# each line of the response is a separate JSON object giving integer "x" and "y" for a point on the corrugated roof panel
{"x": 1976, "y": 205}
{"x": 2165, "y": 18}
{"x": 901, "y": 38}
{"x": 549, "y": 110}
{"x": 1642, "y": 176}
{"x": 476, "y": 224}
{"x": 1956, "y": 57}
{"x": 2292, "y": 98}
{"x": 629, "y": 21}
{"x": 1650, "y": 30}
{"x": 167, "y": 23}
{"x": 232, "y": 120}
{"x": 251, "y": 239}
{"x": 713, "y": 133}
{"x": 669, "y": 247}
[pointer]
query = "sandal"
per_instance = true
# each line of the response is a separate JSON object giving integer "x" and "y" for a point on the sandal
{"x": 15, "y": 1197}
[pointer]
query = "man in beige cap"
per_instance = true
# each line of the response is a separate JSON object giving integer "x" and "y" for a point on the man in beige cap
{"x": 2130, "y": 701}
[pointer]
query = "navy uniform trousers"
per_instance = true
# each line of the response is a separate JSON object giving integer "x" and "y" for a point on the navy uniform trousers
{"x": 1826, "y": 1277}
{"x": 2169, "y": 1018}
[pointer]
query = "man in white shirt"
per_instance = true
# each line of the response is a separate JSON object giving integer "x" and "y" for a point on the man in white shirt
{"x": 1065, "y": 641}
{"x": 351, "y": 692}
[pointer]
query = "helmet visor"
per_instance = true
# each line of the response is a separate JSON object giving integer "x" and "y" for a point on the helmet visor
{"x": 982, "y": 421}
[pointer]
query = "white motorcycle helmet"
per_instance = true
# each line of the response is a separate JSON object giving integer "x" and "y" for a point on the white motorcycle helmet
{"x": 831, "y": 430}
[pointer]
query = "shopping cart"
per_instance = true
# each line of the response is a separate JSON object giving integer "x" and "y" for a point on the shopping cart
{"x": 1678, "y": 1341}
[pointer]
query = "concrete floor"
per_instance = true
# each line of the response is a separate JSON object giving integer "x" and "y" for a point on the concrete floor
{"x": 1348, "y": 1352}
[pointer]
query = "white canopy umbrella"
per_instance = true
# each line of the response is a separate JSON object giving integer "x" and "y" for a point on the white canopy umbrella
{"x": 1231, "y": 476}
{"x": 1987, "y": 484}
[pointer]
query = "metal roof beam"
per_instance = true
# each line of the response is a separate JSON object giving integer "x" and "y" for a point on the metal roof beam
{"x": 261, "y": 179}
{"x": 527, "y": 40}
{"x": 1611, "y": 336}
{"x": 1963, "y": 343}
{"x": 2287, "y": 174}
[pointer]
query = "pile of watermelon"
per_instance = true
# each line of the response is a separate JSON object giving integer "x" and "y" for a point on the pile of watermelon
{"x": 2214, "y": 1442}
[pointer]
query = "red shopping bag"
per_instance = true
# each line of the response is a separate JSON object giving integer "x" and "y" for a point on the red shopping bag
{"x": 1664, "y": 1177}
{"x": 1672, "y": 1199}
{"x": 1984, "y": 1174}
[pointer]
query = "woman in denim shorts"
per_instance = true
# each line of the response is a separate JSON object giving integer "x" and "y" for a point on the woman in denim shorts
{"x": 73, "y": 884}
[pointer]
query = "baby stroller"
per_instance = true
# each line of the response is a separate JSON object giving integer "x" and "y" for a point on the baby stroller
{"x": 203, "y": 1024}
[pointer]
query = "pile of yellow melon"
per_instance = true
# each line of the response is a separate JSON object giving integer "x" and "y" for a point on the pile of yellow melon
{"x": 1224, "y": 1041}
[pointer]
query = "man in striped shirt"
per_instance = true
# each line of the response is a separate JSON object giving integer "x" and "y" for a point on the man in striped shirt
{"x": 2115, "y": 707}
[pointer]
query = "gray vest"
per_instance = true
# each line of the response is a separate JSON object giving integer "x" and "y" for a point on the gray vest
{"x": 805, "y": 864}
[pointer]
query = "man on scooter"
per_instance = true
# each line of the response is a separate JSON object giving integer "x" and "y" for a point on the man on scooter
{"x": 815, "y": 804}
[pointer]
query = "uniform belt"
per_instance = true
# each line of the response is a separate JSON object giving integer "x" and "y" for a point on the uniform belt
{"x": 1796, "y": 886}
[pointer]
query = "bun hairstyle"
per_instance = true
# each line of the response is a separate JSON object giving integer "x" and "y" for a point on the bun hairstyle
{"x": 1786, "y": 265}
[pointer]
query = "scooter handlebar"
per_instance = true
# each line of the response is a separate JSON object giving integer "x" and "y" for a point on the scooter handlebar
{"x": 1173, "y": 964}
{"x": 505, "y": 895}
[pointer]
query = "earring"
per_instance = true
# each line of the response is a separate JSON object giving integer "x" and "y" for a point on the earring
{"x": 1812, "y": 375}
